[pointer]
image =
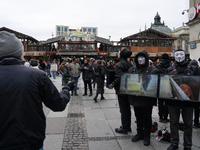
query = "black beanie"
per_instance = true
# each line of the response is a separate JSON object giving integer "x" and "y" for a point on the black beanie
{"x": 179, "y": 50}
{"x": 125, "y": 53}
{"x": 165, "y": 56}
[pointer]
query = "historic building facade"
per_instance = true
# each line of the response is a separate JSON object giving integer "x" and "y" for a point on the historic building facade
{"x": 194, "y": 24}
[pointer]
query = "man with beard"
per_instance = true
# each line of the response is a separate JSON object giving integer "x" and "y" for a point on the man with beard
{"x": 162, "y": 107}
{"x": 143, "y": 105}
{"x": 175, "y": 107}
{"x": 122, "y": 66}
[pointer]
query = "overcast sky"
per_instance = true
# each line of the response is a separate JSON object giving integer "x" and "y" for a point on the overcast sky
{"x": 115, "y": 18}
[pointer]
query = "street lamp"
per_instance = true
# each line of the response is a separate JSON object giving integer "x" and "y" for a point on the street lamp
{"x": 52, "y": 34}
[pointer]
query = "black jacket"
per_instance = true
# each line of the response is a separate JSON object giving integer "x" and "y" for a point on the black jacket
{"x": 100, "y": 77}
{"x": 163, "y": 65}
{"x": 122, "y": 66}
{"x": 179, "y": 69}
{"x": 144, "y": 69}
{"x": 22, "y": 91}
{"x": 87, "y": 73}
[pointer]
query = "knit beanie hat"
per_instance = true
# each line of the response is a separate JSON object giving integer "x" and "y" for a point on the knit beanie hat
{"x": 165, "y": 56}
{"x": 125, "y": 53}
{"x": 10, "y": 45}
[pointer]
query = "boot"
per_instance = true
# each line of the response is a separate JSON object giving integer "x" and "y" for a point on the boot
{"x": 95, "y": 98}
{"x": 102, "y": 98}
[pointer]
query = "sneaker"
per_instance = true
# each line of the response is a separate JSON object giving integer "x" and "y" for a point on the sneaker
{"x": 84, "y": 94}
{"x": 172, "y": 147}
{"x": 137, "y": 138}
{"x": 76, "y": 94}
{"x": 90, "y": 95}
{"x": 146, "y": 142}
{"x": 121, "y": 131}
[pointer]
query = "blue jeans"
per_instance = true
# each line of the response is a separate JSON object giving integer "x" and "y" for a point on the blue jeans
{"x": 48, "y": 72}
{"x": 75, "y": 88}
{"x": 54, "y": 74}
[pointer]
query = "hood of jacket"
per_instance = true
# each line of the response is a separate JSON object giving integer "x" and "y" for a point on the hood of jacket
{"x": 145, "y": 54}
{"x": 163, "y": 65}
{"x": 193, "y": 63}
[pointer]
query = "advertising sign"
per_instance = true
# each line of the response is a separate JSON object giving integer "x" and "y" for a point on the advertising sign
{"x": 78, "y": 34}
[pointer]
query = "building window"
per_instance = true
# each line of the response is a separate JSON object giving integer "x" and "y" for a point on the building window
{"x": 65, "y": 29}
{"x": 94, "y": 30}
{"x": 62, "y": 33}
{"x": 58, "y": 28}
{"x": 58, "y": 33}
{"x": 89, "y": 29}
{"x": 84, "y": 30}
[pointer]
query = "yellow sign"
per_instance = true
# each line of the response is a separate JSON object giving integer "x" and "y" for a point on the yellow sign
{"x": 79, "y": 34}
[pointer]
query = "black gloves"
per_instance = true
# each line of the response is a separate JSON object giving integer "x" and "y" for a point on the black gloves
{"x": 70, "y": 86}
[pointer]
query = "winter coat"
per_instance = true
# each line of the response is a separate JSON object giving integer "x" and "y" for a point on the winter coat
{"x": 163, "y": 65}
{"x": 87, "y": 73}
{"x": 138, "y": 101}
{"x": 22, "y": 92}
{"x": 65, "y": 73}
{"x": 179, "y": 69}
{"x": 74, "y": 69}
{"x": 122, "y": 66}
{"x": 100, "y": 77}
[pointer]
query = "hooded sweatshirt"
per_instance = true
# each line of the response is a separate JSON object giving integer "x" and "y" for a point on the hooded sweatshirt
{"x": 139, "y": 101}
{"x": 163, "y": 65}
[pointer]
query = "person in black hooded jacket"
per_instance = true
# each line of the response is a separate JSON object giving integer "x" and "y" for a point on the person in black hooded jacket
{"x": 162, "y": 107}
{"x": 176, "y": 107}
{"x": 122, "y": 66}
{"x": 143, "y": 105}
{"x": 193, "y": 68}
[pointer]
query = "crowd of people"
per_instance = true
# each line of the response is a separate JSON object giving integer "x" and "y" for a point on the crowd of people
{"x": 24, "y": 87}
{"x": 143, "y": 105}
{"x": 94, "y": 72}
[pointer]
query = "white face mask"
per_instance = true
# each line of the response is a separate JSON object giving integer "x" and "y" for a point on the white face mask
{"x": 141, "y": 60}
{"x": 180, "y": 56}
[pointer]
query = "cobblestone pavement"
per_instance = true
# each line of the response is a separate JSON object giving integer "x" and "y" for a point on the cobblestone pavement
{"x": 75, "y": 136}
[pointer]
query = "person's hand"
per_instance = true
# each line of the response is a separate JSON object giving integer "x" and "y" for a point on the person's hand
{"x": 85, "y": 67}
{"x": 70, "y": 86}
{"x": 110, "y": 86}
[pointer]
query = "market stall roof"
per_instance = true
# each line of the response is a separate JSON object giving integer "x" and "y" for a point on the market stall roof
{"x": 145, "y": 35}
{"x": 53, "y": 40}
{"x": 18, "y": 34}
{"x": 77, "y": 53}
{"x": 102, "y": 40}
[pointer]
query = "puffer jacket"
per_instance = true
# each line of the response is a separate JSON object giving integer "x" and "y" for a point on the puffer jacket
{"x": 22, "y": 92}
{"x": 122, "y": 66}
{"x": 143, "y": 69}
